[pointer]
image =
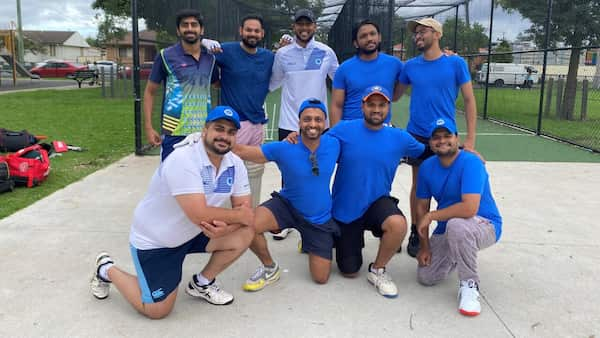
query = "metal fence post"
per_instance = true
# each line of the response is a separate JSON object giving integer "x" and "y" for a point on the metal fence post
{"x": 584, "y": 99}
{"x": 103, "y": 83}
{"x": 112, "y": 83}
{"x": 547, "y": 41}
{"x": 548, "y": 98}
{"x": 489, "y": 63}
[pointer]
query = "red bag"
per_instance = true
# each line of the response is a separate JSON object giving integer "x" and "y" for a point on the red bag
{"x": 29, "y": 166}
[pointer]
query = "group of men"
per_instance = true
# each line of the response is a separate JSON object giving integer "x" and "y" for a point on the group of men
{"x": 183, "y": 211}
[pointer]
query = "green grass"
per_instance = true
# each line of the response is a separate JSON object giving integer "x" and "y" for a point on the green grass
{"x": 105, "y": 127}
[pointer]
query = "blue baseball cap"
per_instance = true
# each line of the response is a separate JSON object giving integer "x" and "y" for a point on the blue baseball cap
{"x": 376, "y": 90}
{"x": 224, "y": 112}
{"x": 445, "y": 123}
{"x": 312, "y": 103}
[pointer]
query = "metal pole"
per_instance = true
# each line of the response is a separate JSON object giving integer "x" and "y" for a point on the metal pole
{"x": 20, "y": 50}
{"x": 403, "y": 45}
{"x": 489, "y": 58}
{"x": 390, "y": 43}
{"x": 538, "y": 130}
{"x": 137, "y": 106}
{"x": 455, "y": 46}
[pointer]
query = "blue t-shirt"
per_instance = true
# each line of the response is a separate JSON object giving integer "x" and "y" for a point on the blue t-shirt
{"x": 245, "y": 80}
{"x": 435, "y": 86}
{"x": 466, "y": 175}
{"x": 356, "y": 75}
{"x": 309, "y": 194}
{"x": 367, "y": 165}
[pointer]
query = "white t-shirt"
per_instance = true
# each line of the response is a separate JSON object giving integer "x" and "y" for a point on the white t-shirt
{"x": 302, "y": 73}
{"x": 158, "y": 220}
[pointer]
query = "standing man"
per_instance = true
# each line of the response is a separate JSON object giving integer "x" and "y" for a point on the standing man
{"x": 467, "y": 216}
{"x": 187, "y": 72}
{"x": 245, "y": 74}
{"x": 436, "y": 79}
{"x": 369, "y": 157}
{"x": 304, "y": 203}
{"x": 175, "y": 219}
{"x": 369, "y": 67}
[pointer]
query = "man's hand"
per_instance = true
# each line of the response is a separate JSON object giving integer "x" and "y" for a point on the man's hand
{"x": 423, "y": 226}
{"x": 190, "y": 139}
{"x": 246, "y": 214}
{"x": 292, "y": 138}
{"x": 285, "y": 40}
{"x": 424, "y": 256}
{"x": 152, "y": 136}
{"x": 212, "y": 46}
{"x": 217, "y": 229}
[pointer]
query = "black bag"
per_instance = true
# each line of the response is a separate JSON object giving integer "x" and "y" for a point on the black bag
{"x": 11, "y": 141}
{"x": 6, "y": 183}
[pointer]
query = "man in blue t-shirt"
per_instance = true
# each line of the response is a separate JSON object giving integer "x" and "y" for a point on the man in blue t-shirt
{"x": 370, "y": 153}
{"x": 467, "y": 216}
{"x": 369, "y": 67}
{"x": 187, "y": 72}
{"x": 304, "y": 203}
{"x": 435, "y": 79}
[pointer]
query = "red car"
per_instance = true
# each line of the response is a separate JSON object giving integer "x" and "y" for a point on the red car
{"x": 57, "y": 69}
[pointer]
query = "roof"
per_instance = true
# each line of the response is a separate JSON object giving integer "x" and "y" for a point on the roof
{"x": 143, "y": 35}
{"x": 48, "y": 37}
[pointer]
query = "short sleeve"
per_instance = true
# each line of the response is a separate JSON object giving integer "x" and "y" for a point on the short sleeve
{"x": 277, "y": 74}
{"x": 334, "y": 65}
{"x": 339, "y": 80}
{"x": 423, "y": 191}
{"x": 158, "y": 73}
{"x": 462, "y": 72}
{"x": 414, "y": 148}
{"x": 241, "y": 185}
{"x": 181, "y": 175}
{"x": 473, "y": 176}
{"x": 403, "y": 75}
{"x": 272, "y": 151}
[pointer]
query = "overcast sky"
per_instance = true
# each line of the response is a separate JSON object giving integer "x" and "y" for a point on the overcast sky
{"x": 78, "y": 15}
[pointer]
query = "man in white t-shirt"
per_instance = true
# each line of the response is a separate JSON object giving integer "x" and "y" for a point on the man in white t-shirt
{"x": 175, "y": 218}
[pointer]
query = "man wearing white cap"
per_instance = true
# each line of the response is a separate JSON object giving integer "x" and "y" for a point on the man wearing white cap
{"x": 436, "y": 79}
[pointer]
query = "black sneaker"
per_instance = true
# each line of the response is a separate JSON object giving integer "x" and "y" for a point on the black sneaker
{"x": 413, "y": 242}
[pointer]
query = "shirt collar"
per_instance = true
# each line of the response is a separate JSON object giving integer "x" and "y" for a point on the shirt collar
{"x": 309, "y": 45}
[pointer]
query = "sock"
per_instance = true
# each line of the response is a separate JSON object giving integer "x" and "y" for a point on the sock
{"x": 103, "y": 271}
{"x": 373, "y": 269}
{"x": 272, "y": 266}
{"x": 201, "y": 280}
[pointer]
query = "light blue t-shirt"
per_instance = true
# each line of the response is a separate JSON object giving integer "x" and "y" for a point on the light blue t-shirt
{"x": 245, "y": 80}
{"x": 466, "y": 175}
{"x": 435, "y": 86}
{"x": 356, "y": 75}
{"x": 308, "y": 193}
{"x": 367, "y": 165}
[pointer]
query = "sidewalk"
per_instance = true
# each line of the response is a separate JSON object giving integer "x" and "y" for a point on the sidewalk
{"x": 540, "y": 280}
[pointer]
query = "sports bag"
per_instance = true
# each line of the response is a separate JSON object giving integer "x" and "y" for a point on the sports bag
{"x": 29, "y": 166}
{"x": 11, "y": 141}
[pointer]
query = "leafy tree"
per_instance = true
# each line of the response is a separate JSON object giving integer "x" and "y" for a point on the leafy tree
{"x": 469, "y": 38}
{"x": 503, "y": 47}
{"x": 573, "y": 22}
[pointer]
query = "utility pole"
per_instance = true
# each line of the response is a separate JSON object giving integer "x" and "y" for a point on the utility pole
{"x": 20, "y": 51}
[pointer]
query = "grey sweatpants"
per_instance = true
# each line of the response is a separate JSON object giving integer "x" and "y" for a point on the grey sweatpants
{"x": 457, "y": 248}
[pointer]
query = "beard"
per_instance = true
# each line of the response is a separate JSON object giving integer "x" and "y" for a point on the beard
{"x": 369, "y": 51}
{"x": 305, "y": 40}
{"x": 191, "y": 40}
{"x": 374, "y": 122}
{"x": 212, "y": 148}
{"x": 424, "y": 47}
{"x": 250, "y": 44}
{"x": 304, "y": 133}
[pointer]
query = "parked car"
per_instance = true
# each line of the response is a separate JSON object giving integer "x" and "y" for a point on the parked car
{"x": 57, "y": 69}
{"x": 104, "y": 66}
{"x": 513, "y": 74}
{"x": 145, "y": 70}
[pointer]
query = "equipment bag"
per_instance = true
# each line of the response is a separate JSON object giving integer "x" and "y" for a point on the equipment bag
{"x": 29, "y": 166}
{"x": 11, "y": 141}
{"x": 6, "y": 183}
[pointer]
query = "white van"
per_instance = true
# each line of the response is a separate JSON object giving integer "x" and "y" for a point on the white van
{"x": 513, "y": 74}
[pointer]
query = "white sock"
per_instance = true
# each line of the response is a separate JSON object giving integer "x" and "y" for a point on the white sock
{"x": 201, "y": 280}
{"x": 103, "y": 271}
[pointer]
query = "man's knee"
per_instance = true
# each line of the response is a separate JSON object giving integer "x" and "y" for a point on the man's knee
{"x": 320, "y": 277}
{"x": 161, "y": 309}
{"x": 394, "y": 224}
{"x": 349, "y": 266}
{"x": 244, "y": 237}
{"x": 456, "y": 229}
{"x": 424, "y": 277}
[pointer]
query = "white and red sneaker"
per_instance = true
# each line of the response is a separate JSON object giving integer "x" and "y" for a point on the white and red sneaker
{"x": 468, "y": 298}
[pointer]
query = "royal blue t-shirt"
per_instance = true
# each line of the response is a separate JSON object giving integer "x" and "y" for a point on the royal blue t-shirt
{"x": 354, "y": 76}
{"x": 309, "y": 194}
{"x": 245, "y": 80}
{"x": 367, "y": 165}
{"x": 435, "y": 86}
{"x": 466, "y": 175}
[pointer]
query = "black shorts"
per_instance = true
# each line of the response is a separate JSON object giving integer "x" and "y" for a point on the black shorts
{"x": 427, "y": 153}
{"x": 317, "y": 239}
{"x": 348, "y": 247}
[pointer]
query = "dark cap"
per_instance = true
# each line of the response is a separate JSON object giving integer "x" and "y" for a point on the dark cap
{"x": 304, "y": 13}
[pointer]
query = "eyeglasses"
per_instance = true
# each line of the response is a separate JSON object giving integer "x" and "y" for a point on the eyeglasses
{"x": 314, "y": 164}
{"x": 422, "y": 32}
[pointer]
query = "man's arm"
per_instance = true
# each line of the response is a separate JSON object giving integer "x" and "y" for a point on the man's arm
{"x": 399, "y": 90}
{"x": 151, "y": 134}
{"x": 277, "y": 73}
{"x": 470, "y": 115}
{"x": 250, "y": 153}
{"x": 195, "y": 208}
{"x": 466, "y": 208}
{"x": 337, "y": 105}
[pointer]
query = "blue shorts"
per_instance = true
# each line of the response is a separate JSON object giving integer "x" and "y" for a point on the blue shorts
{"x": 317, "y": 239}
{"x": 159, "y": 270}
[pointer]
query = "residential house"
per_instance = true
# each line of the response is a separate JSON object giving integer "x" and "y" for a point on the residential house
{"x": 62, "y": 45}
{"x": 122, "y": 50}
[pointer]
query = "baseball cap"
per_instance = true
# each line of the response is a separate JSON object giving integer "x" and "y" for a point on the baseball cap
{"x": 427, "y": 22}
{"x": 224, "y": 112}
{"x": 445, "y": 123}
{"x": 304, "y": 13}
{"x": 312, "y": 103}
{"x": 376, "y": 90}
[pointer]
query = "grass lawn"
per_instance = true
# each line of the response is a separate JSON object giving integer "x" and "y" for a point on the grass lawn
{"x": 105, "y": 127}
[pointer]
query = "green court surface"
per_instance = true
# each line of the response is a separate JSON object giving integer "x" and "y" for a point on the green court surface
{"x": 494, "y": 141}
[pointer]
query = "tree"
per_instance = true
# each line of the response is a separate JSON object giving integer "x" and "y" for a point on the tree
{"x": 468, "y": 40}
{"x": 503, "y": 47}
{"x": 573, "y": 22}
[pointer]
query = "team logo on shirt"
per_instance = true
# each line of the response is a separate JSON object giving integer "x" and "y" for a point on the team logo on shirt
{"x": 228, "y": 112}
{"x": 318, "y": 61}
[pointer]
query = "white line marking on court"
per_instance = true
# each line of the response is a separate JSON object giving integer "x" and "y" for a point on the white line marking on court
{"x": 499, "y": 134}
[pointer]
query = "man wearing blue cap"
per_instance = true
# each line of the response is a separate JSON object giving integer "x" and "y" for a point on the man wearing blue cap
{"x": 304, "y": 202}
{"x": 467, "y": 216}
{"x": 176, "y": 218}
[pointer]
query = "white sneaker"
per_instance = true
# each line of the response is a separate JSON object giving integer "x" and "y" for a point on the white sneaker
{"x": 468, "y": 298}
{"x": 382, "y": 281}
{"x": 99, "y": 286}
{"x": 282, "y": 234}
{"x": 211, "y": 293}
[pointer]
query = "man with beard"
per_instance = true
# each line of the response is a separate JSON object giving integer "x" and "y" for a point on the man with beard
{"x": 187, "y": 72}
{"x": 176, "y": 218}
{"x": 370, "y": 153}
{"x": 467, "y": 217}
{"x": 367, "y": 68}
{"x": 304, "y": 202}
{"x": 436, "y": 79}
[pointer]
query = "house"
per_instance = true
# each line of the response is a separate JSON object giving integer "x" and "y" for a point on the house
{"x": 63, "y": 45}
{"x": 122, "y": 50}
